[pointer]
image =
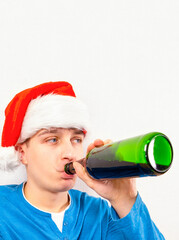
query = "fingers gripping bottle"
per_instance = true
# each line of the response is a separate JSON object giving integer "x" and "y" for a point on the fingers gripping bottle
{"x": 146, "y": 155}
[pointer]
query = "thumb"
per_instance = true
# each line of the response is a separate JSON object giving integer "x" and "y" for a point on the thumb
{"x": 79, "y": 169}
{"x": 83, "y": 175}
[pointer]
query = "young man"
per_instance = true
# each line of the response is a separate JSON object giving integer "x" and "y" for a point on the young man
{"x": 44, "y": 129}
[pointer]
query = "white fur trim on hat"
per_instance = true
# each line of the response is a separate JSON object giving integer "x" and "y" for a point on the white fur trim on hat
{"x": 9, "y": 159}
{"x": 54, "y": 110}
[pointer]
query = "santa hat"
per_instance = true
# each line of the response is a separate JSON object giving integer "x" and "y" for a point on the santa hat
{"x": 51, "y": 104}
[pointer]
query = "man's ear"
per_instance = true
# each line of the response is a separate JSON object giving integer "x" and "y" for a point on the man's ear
{"x": 20, "y": 148}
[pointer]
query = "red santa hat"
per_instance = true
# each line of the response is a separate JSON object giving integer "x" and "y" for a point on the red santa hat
{"x": 51, "y": 104}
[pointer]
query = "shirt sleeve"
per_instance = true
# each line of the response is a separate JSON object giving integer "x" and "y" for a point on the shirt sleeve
{"x": 137, "y": 225}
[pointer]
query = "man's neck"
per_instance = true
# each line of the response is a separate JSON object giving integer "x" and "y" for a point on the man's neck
{"x": 45, "y": 200}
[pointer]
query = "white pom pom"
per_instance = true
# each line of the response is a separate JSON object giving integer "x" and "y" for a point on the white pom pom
{"x": 9, "y": 159}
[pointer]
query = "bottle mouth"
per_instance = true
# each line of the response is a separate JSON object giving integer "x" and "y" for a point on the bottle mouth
{"x": 69, "y": 169}
{"x": 160, "y": 153}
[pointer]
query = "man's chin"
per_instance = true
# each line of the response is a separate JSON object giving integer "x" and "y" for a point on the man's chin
{"x": 67, "y": 184}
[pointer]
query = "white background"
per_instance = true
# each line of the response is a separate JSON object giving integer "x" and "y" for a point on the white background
{"x": 122, "y": 58}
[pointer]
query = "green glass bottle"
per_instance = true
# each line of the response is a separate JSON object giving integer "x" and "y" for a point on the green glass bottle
{"x": 146, "y": 155}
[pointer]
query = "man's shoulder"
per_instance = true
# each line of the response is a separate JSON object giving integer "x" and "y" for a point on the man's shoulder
{"x": 90, "y": 206}
{"x": 84, "y": 197}
{"x": 8, "y": 189}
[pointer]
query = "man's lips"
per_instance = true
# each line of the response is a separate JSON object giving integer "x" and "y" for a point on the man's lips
{"x": 64, "y": 175}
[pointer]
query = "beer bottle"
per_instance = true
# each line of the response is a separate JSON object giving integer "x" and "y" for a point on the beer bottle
{"x": 150, "y": 154}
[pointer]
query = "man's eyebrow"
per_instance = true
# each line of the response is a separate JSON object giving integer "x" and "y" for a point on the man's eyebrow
{"x": 55, "y": 130}
{"x": 46, "y": 131}
{"x": 78, "y": 131}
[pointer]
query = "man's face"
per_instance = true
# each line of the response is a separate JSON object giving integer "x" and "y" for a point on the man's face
{"x": 46, "y": 154}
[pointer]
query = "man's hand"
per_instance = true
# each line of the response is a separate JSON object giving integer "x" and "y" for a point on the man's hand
{"x": 121, "y": 193}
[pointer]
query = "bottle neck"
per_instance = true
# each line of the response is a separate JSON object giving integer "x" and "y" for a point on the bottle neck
{"x": 69, "y": 169}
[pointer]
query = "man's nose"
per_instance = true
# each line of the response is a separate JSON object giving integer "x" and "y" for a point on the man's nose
{"x": 67, "y": 152}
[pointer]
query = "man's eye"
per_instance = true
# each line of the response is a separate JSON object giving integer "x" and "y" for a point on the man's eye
{"x": 52, "y": 140}
{"x": 77, "y": 140}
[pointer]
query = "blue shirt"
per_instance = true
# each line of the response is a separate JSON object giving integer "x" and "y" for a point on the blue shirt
{"x": 87, "y": 218}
